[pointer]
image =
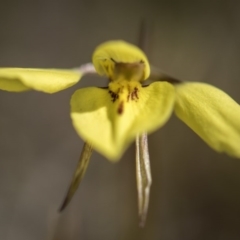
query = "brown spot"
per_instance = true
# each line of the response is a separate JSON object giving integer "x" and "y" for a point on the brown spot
{"x": 113, "y": 95}
{"x": 120, "y": 108}
{"x": 113, "y": 60}
{"x": 134, "y": 94}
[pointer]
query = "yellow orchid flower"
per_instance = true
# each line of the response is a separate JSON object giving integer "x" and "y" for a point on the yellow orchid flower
{"x": 109, "y": 119}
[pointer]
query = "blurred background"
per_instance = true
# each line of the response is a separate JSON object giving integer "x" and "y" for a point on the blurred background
{"x": 195, "y": 192}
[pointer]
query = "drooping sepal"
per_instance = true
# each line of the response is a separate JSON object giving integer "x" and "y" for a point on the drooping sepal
{"x": 143, "y": 175}
{"x": 78, "y": 174}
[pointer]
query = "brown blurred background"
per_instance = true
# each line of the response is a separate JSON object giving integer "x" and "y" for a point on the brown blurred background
{"x": 195, "y": 193}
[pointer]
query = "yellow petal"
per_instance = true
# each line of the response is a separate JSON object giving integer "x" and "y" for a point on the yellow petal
{"x": 45, "y": 80}
{"x": 107, "y": 54}
{"x": 212, "y": 114}
{"x": 110, "y": 126}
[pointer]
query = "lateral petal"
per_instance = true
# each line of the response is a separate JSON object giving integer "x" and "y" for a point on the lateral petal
{"x": 45, "y": 80}
{"x": 212, "y": 114}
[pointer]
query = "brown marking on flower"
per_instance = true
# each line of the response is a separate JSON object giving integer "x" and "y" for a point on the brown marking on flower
{"x": 134, "y": 94}
{"x": 113, "y": 95}
{"x": 128, "y": 96}
{"x": 120, "y": 108}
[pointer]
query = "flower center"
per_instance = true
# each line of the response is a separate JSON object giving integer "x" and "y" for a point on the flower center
{"x": 128, "y": 71}
{"x": 117, "y": 71}
{"x": 123, "y": 92}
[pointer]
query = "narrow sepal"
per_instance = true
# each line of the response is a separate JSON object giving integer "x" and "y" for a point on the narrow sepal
{"x": 79, "y": 174}
{"x": 143, "y": 174}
